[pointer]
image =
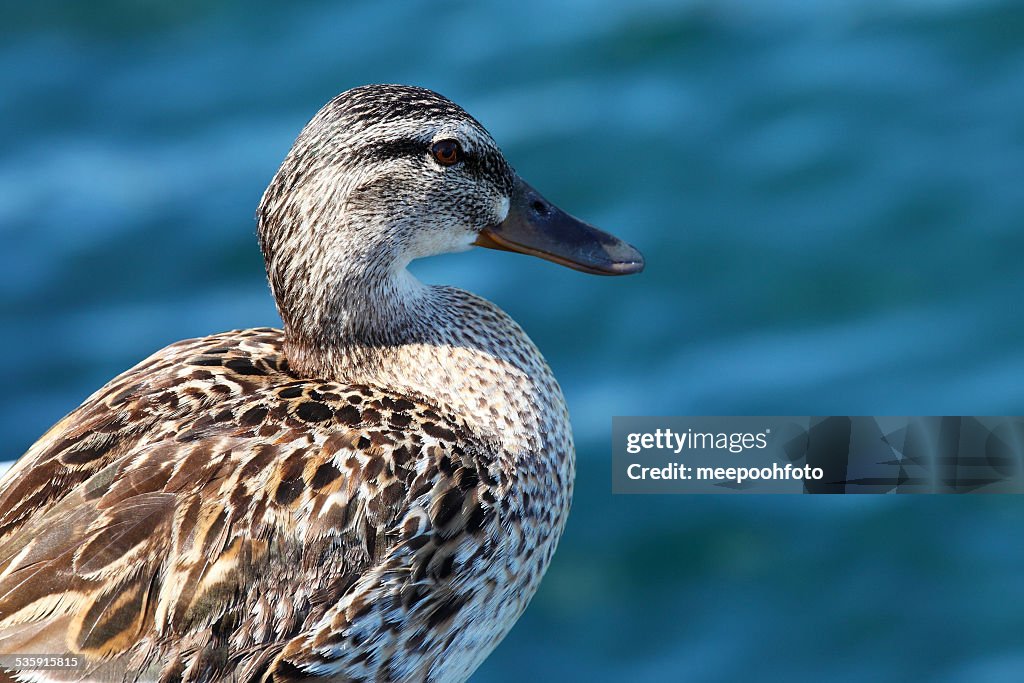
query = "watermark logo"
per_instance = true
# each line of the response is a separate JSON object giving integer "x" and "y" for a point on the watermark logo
{"x": 832, "y": 454}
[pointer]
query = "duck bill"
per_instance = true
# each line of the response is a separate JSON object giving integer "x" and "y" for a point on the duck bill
{"x": 536, "y": 226}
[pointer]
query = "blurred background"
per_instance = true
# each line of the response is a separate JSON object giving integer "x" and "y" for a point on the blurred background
{"x": 829, "y": 196}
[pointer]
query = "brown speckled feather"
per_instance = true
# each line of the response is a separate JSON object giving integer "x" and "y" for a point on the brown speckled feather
{"x": 163, "y": 540}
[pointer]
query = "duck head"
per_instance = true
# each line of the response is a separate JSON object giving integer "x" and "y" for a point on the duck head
{"x": 384, "y": 174}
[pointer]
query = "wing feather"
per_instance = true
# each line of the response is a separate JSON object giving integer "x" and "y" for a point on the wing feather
{"x": 207, "y": 512}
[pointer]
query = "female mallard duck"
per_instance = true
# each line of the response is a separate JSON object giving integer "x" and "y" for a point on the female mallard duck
{"x": 372, "y": 493}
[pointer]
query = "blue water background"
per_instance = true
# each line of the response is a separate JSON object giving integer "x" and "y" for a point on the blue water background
{"x": 830, "y": 196}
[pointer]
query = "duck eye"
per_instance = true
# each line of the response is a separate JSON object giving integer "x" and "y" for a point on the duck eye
{"x": 446, "y": 152}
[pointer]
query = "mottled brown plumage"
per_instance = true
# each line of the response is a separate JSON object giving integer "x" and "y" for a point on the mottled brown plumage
{"x": 372, "y": 494}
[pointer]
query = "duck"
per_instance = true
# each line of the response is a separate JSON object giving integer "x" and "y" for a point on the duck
{"x": 372, "y": 492}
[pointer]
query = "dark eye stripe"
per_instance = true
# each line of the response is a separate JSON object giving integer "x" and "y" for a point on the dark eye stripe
{"x": 489, "y": 165}
{"x": 402, "y": 147}
{"x": 393, "y": 149}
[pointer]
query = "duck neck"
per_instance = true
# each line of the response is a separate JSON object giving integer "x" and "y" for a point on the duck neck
{"x": 343, "y": 315}
{"x": 444, "y": 346}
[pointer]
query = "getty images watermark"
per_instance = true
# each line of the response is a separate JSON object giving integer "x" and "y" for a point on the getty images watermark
{"x": 662, "y": 439}
{"x": 833, "y": 454}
